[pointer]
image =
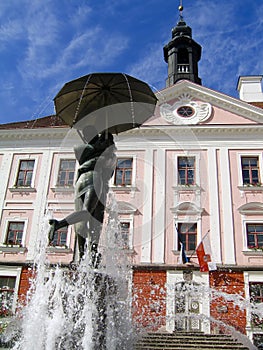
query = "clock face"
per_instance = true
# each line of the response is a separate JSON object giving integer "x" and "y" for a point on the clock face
{"x": 185, "y": 111}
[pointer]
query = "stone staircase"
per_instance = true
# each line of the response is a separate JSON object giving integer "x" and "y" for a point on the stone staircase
{"x": 189, "y": 341}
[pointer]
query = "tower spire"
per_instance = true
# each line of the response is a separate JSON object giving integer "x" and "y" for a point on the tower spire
{"x": 182, "y": 53}
{"x": 180, "y": 8}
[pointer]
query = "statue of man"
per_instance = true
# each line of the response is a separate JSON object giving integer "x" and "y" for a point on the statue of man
{"x": 97, "y": 161}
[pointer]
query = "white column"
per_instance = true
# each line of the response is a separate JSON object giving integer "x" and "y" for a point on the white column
{"x": 159, "y": 210}
{"x": 41, "y": 201}
{"x": 227, "y": 213}
{"x": 147, "y": 208}
{"x": 214, "y": 205}
{"x": 5, "y": 169}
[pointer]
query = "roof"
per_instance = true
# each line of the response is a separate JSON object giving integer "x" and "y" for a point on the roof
{"x": 233, "y": 104}
{"x": 51, "y": 121}
{"x": 257, "y": 104}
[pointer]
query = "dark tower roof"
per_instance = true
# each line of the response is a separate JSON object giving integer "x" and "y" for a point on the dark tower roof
{"x": 182, "y": 54}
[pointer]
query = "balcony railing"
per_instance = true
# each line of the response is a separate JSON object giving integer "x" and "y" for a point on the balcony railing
{"x": 183, "y": 68}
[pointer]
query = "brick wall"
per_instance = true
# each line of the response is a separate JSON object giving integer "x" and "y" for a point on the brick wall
{"x": 223, "y": 306}
{"x": 25, "y": 277}
{"x": 149, "y": 299}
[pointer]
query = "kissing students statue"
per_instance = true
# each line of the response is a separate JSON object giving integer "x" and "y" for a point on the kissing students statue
{"x": 97, "y": 162}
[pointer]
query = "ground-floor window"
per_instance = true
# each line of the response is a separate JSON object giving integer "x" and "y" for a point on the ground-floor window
{"x": 256, "y": 297}
{"x": 7, "y": 288}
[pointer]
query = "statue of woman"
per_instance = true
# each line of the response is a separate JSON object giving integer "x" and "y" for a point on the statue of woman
{"x": 97, "y": 162}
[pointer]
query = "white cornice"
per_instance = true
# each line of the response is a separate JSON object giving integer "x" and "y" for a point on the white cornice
{"x": 40, "y": 137}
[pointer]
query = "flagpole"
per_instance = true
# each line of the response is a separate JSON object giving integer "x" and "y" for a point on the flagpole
{"x": 199, "y": 243}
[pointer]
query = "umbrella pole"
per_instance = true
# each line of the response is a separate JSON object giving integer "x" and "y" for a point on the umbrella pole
{"x": 107, "y": 122}
{"x": 82, "y": 138}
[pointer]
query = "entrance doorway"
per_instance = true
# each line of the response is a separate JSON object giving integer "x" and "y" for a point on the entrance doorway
{"x": 188, "y": 301}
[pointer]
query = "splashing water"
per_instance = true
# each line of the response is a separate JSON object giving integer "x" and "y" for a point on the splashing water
{"x": 81, "y": 308}
{"x": 63, "y": 313}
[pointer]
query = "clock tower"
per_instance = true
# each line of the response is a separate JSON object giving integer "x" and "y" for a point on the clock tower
{"x": 182, "y": 54}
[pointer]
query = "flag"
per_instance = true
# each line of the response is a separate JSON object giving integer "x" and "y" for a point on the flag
{"x": 183, "y": 259}
{"x": 204, "y": 255}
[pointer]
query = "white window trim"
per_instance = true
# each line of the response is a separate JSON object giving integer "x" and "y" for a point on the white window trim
{"x": 134, "y": 166}
{"x": 244, "y": 224}
{"x": 57, "y": 160}
{"x": 131, "y": 231}
{"x": 197, "y": 167}
{"x": 69, "y": 232}
{"x": 16, "y": 166}
{"x": 198, "y": 235}
{"x": 239, "y": 166}
{"x": 10, "y": 271}
{"x": 14, "y": 219}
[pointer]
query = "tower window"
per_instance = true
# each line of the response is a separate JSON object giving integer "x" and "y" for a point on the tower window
{"x": 183, "y": 56}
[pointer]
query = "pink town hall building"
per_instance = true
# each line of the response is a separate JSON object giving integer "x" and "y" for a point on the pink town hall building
{"x": 195, "y": 167}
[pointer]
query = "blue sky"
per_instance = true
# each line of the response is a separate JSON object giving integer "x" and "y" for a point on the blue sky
{"x": 45, "y": 43}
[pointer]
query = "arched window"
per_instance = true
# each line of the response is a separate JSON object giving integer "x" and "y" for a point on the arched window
{"x": 183, "y": 56}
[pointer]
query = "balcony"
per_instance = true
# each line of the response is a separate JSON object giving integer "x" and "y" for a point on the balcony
{"x": 183, "y": 68}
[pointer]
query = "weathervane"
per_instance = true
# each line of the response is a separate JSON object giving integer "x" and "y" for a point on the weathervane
{"x": 180, "y": 8}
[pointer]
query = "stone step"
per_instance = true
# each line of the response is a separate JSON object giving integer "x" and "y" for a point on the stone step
{"x": 190, "y": 348}
{"x": 189, "y": 341}
{"x": 194, "y": 343}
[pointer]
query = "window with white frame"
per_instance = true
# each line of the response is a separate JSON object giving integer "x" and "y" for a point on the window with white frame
{"x": 25, "y": 173}
{"x": 123, "y": 172}
{"x": 186, "y": 170}
{"x": 187, "y": 234}
{"x": 7, "y": 291}
{"x": 254, "y": 233}
{"x": 125, "y": 233}
{"x": 60, "y": 237}
{"x": 14, "y": 234}
{"x": 250, "y": 170}
{"x": 66, "y": 173}
{"x": 256, "y": 297}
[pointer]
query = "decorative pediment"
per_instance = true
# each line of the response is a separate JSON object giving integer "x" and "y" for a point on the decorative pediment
{"x": 185, "y": 92}
{"x": 187, "y": 208}
{"x": 126, "y": 208}
{"x": 253, "y": 208}
{"x": 186, "y": 111}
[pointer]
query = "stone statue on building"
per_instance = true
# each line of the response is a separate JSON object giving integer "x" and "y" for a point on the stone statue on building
{"x": 97, "y": 161}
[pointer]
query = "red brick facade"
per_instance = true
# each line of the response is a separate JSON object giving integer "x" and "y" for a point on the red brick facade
{"x": 149, "y": 298}
{"x": 224, "y": 309}
{"x": 25, "y": 278}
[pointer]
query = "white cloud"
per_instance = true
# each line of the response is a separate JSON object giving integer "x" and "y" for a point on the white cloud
{"x": 151, "y": 68}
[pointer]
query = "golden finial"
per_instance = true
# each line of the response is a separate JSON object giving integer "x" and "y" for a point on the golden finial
{"x": 180, "y": 8}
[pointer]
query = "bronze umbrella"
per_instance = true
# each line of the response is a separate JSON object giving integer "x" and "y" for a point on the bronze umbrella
{"x": 108, "y": 101}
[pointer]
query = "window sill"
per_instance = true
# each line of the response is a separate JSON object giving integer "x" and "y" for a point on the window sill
{"x": 58, "y": 249}
{"x": 62, "y": 189}
{"x": 123, "y": 188}
{"x": 252, "y": 252}
{"x": 130, "y": 251}
{"x": 188, "y": 253}
{"x": 12, "y": 249}
{"x": 187, "y": 188}
{"x": 250, "y": 188}
{"x": 22, "y": 189}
